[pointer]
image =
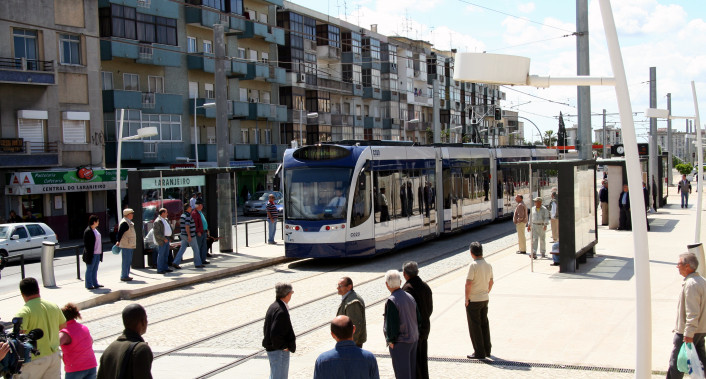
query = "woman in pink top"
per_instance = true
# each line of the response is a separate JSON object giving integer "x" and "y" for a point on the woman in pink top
{"x": 77, "y": 346}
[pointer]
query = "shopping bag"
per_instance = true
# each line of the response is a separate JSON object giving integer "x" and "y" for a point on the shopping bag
{"x": 682, "y": 359}
{"x": 116, "y": 249}
{"x": 696, "y": 369}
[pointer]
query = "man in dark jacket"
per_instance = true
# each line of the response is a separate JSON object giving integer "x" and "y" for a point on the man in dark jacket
{"x": 603, "y": 197}
{"x": 115, "y": 358}
{"x": 421, "y": 293}
{"x": 624, "y": 204}
{"x": 279, "y": 340}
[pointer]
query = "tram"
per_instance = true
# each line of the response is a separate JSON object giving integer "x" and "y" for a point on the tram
{"x": 363, "y": 198}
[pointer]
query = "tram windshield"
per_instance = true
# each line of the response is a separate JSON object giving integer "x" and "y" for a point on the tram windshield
{"x": 317, "y": 193}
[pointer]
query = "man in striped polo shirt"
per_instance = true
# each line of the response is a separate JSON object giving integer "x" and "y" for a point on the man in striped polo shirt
{"x": 272, "y": 218}
{"x": 188, "y": 238}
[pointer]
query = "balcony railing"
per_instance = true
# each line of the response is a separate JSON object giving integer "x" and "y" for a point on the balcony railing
{"x": 27, "y": 71}
{"x": 148, "y": 100}
{"x": 26, "y": 64}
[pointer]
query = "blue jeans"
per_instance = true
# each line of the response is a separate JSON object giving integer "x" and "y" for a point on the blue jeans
{"x": 685, "y": 199}
{"x": 279, "y": 364}
{"x": 92, "y": 271}
{"x": 194, "y": 246}
{"x": 162, "y": 259}
{"x": 273, "y": 229}
{"x": 85, "y": 374}
{"x": 203, "y": 245}
{"x": 127, "y": 261}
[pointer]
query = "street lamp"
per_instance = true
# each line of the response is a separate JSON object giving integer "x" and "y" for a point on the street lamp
{"x": 147, "y": 132}
{"x": 412, "y": 121}
{"x": 196, "y": 135}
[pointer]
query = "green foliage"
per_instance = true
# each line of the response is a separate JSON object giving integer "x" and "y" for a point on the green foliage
{"x": 676, "y": 160}
{"x": 684, "y": 168}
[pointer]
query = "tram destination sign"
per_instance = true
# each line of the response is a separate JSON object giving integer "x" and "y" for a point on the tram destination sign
{"x": 320, "y": 153}
{"x": 173, "y": 181}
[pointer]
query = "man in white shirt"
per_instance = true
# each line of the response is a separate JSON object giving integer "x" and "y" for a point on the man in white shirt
{"x": 338, "y": 203}
{"x": 162, "y": 235}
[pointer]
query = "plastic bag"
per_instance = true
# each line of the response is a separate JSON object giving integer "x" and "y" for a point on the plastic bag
{"x": 696, "y": 369}
{"x": 116, "y": 249}
{"x": 682, "y": 359}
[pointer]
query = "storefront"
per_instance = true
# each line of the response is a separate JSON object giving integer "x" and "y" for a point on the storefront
{"x": 63, "y": 199}
{"x": 259, "y": 179}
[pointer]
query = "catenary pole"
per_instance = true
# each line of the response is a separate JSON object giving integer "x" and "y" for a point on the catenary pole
{"x": 652, "y": 172}
{"x": 700, "y": 171}
{"x": 670, "y": 146}
{"x": 584, "y": 145}
{"x": 225, "y": 211}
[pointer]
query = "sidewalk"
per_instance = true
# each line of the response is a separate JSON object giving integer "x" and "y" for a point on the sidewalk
{"x": 147, "y": 281}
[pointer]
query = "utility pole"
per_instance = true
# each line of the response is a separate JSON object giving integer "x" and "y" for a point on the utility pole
{"x": 670, "y": 180}
{"x": 605, "y": 139}
{"x": 584, "y": 144}
{"x": 436, "y": 116}
{"x": 652, "y": 171}
{"x": 225, "y": 211}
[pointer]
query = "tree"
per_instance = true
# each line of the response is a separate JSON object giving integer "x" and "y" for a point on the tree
{"x": 549, "y": 138}
{"x": 684, "y": 168}
{"x": 561, "y": 133}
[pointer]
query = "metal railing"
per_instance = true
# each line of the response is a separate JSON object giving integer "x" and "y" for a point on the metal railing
{"x": 24, "y": 64}
{"x": 21, "y": 258}
{"x": 247, "y": 234}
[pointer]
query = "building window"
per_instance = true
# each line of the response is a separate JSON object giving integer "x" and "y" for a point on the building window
{"x": 191, "y": 44}
{"x": 74, "y": 131}
{"x": 156, "y": 84}
{"x": 107, "y": 80}
{"x": 241, "y": 53}
{"x": 208, "y": 90}
{"x": 168, "y": 125}
{"x": 31, "y": 130}
{"x": 70, "y": 49}
{"x": 265, "y": 97}
{"x": 207, "y": 47}
{"x": 126, "y": 22}
{"x": 131, "y": 82}
{"x": 25, "y": 42}
{"x": 244, "y": 136}
{"x": 243, "y": 95}
{"x": 265, "y": 57}
{"x": 253, "y": 55}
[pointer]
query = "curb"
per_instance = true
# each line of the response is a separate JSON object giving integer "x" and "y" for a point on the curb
{"x": 181, "y": 282}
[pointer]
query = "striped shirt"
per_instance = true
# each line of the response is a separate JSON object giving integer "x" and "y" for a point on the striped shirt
{"x": 187, "y": 220}
{"x": 271, "y": 210}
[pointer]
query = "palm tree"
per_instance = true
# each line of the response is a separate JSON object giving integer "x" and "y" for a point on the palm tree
{"x": 549, "y": 138}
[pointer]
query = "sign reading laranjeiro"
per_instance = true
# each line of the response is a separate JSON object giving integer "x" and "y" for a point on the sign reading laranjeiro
{"x": 173, "y": 181}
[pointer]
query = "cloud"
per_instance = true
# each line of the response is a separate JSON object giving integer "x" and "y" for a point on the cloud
{"x": 526, "y": 8}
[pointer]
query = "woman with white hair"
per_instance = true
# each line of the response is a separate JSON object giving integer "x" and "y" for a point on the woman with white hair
{"x": 401, "y": 327}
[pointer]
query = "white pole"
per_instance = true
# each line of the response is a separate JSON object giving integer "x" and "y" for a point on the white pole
{"x": 699, "y": 183}
{"x": 643, "y": 309}
{"x": 301, "y": 114}
{"x": 196, "y": 137}
{"x": 119, "y": 210}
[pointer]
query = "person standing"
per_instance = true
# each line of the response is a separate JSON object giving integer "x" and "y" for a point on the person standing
{"x": 14, "y": 217}
{"x": 624, "y": 204}
{"x": 603, "y": 198}
{"x": 38, "y": 313}
{"x": 554, "y": 216}
{"x": 93, "y": 249}
{"x": 421, "y": 292}
{"x": 479, "y": 282}
{"x": 127, "y": 242}
{"x": 201, "y": 231}
{"x": 352, "y": 306}
{"x": 280, "y": 340}
{"x": 403, "y": 200}
{"x": 346, "y": 360}
{"x": 683, "y": 186}
{"x": 646, "y": 195}
{"x": 401, "y": 327}
{"x": 129, "y": 352}
{"x": 162, "y": 235}
{"x": 519, "y": 218}
{"x": 410, "y": 200}
{"x": 192, "y": 201}
{"x": 384, "y": 206}
{"x": 538, "y": 226}
{"x": 691, "y": 312}
{"x": 76, "y": 346}
{"x": 271, "y": 209}
{"x": 187, "y": 236}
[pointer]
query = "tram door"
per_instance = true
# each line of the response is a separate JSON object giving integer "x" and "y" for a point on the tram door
{"x": 384, "y": 184}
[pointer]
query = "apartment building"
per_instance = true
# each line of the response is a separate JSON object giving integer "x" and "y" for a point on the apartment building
{"x": 51, "y": 147}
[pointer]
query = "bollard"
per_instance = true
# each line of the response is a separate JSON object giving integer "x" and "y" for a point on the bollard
{"x": 265, "y": 226}
{"x": 698, "y": 250}
{"x": 78, "y": 262}
{"x": 246, "y": 235}
{"x": 48, "y": 279}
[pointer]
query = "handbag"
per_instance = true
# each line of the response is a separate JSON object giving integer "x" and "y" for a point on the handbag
{"x": 116, "y": 249}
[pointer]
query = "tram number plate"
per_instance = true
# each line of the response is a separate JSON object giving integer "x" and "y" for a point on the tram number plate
{"x": 355, "y": 234}
{"x": 376, "y": 152}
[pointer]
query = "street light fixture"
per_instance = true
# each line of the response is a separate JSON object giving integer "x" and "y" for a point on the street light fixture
{"x": 196, "y": 135}
{"x": 147, "y": 132}
{"x": 412, "y": 121}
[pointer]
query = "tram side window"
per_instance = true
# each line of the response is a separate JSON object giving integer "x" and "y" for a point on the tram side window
{"x": 361, "y": 199}
{"x": 446, "y": 178}
{"x": 383, "y": 196}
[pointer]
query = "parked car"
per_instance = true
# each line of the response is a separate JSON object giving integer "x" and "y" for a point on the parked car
{"x": 256, "y": 204}
{"x": 24, "y": 238}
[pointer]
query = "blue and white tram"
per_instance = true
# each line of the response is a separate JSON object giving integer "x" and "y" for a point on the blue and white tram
{"x": 362, "y": 200}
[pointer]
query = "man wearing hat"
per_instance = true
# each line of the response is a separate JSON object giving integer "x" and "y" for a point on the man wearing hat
{"x": 538, "y": 226}
{"x": 126, "y": 242}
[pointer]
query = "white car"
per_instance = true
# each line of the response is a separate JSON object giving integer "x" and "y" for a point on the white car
{"x": 24, "y": 238}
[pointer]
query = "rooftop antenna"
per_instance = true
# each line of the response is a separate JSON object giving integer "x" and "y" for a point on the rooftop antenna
{"x": 358, "y": 11}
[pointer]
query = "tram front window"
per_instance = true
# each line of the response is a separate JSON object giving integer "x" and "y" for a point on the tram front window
{"x": 317, "y": 193}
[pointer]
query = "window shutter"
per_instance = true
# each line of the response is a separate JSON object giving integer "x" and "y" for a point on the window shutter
{"x": 74, "y": 131}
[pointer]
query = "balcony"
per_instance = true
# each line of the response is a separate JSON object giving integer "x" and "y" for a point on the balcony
{"x": 259, "y": 111}
{"x": 336, "y": 86}
{"x": 201, "y": 61}
{"x": 164, "y": 55}
{"x": 207, "y": 152}
{"x": 342, "y": 120}
{"x": 358, "y": 122}
{"x": 322, "y": 119}
{"x": 391, "y": 123}
{"x": 370, "y": 63}
{"x": 358, "y": 90}
{"x": 146, "y": 152}
{"x": 269, "y": 33}
{"x": 148, "y": 102}
{"x": 372, "y": 122}
{"x": 259, "y": 152}
{"x": 260, "y": 71}
{"x": 19, "y": 153}
{"x": 203, "y": 112}
{"x": 23, "y": 71}
{"x": 352, "y": 58}
{"x": 328, "y": 53}
{"x": 205, "y": 17}
{"x": 390, "y": 96}
{"x": 372, "y": 93}
{"x": 389, "y": 68}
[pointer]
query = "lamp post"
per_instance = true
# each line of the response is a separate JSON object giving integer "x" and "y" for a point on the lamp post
{"x": 147, "y": 132}
{"x": 412, "y": 121}
{"x": 196, "y": 135}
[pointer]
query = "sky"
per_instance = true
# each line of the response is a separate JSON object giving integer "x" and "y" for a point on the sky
{"x": 668, "y": 35}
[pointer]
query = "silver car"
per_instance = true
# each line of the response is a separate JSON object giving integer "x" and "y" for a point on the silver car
{"x": 257, "y": 202}
{"x": 24, "y": 238}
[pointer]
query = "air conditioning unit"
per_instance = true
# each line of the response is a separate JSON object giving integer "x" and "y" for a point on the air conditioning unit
{"x": 301, "y": 78}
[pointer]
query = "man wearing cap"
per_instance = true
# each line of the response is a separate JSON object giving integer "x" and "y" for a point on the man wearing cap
{"x": 519, "y": 218}
{"x": 538, "y": 226}
{"x": 126, "y": 242}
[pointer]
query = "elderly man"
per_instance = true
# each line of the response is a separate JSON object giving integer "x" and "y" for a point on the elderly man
{"x": 691, "y": 320}
{"x": 624, "y": 205}
{"x": 421, "y": 293}
{"x": 38, "y": 313}
{"x": 126, "y": 241}
{"x": 538, "y": 226}
{"x": 279, "y": 340}
{"x": 201, "y": 226}
{"x": 519, "y": 218}
{"x": 130, "y": 342}
{"x": 352, "y": 306}
{"x": 479, "y": 282}
{"x": 162, "y": 235}
{"x": 346, "y": 360}
{"x": 401, "y": 327}
{"x": 603, "y": 197}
